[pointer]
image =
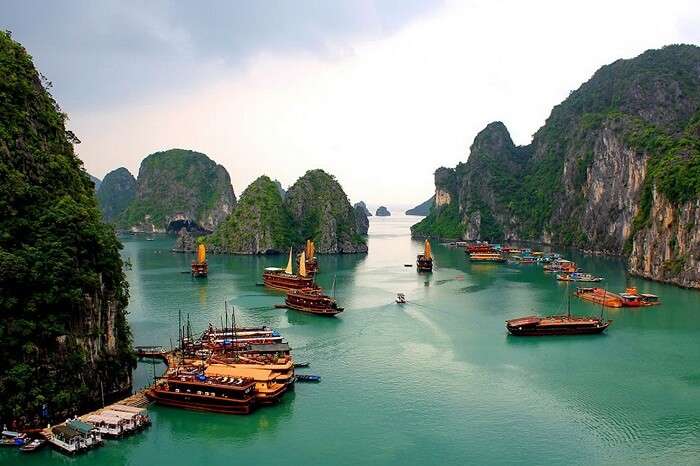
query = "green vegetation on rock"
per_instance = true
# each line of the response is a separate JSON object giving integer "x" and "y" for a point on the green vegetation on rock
{"x": 260, "y": 223}
{"x": 180, "y": 182}
{"x": 116, "y": 192}
{"x": 63, "y": 294}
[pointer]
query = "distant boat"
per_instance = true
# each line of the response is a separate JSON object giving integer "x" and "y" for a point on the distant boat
{"x": 199, "y": 266}
{"x": 578, "y": 277}
{"x": 424, "y": 262}
{"x": 400, "y": 298}
{"x": 599, "y": 296}
{"x": 630, "y": 298}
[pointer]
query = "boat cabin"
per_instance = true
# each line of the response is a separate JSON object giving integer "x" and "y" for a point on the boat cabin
{"x": 90, "y": 436}
{"x": 66, "y": 440}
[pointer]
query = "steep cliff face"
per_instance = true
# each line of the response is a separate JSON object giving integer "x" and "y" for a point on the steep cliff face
{"x": 260, "y": 223}
{"x": 587, "y": 178}
{"x": 179, "y": 188}
{"x": 363, "y": 207}
{"x": 64, "y": 339}
{"x": 116, "y": 192}
{"x": 361, "y": 218}
{"x": 322, "y": 212}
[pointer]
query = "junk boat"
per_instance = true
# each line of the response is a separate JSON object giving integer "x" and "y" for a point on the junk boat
{"x": 188, "y": 388}
{"x": 486, "y": 257}
{"x": 312, "y": 300}
{"x": 558, "y": 324}
{"x": 424, "y": 262}
{"x": 577, "y": 277}
{"x": 268, "y": 388}
{"x": 599, "y": 296}
{"x": 479, "y": 247}
{"x": 285, "y": 279}
{"x": 199, "y": 266}
{"x": 310, "y": 258}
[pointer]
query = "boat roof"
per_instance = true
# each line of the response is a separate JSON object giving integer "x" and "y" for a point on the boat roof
{"x": 128, "y": 409}
{"x": 106, "y": 418}
{"x": 65, "y": 431}
{"x": 273, "y": 269}
{"x": 120, "y": 414}
{"x": 524, "y": 320}
{"x": 273, "y": 348}
{"x": 81, "y": 426}
{"x": 227, "y": 371}
{"x": 648, "y": 295}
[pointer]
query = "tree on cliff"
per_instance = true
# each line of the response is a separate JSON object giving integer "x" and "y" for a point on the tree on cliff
{"x": 63, "y": 334}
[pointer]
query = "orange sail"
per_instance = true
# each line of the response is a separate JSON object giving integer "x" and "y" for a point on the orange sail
{"x": 201, "y": 254}
{"x": 427, "y": 250}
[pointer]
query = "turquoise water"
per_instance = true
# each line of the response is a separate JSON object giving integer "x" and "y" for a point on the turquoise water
{"x": 436, "y": 381}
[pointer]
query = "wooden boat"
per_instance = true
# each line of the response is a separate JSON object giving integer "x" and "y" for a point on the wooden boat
{"x": 577, "y": 277}
{"x": 312, "y": 300}
{"x": 424, "y": 262}
{"x": 558, "y": 324}
{"x": 199, "y": 266}
{"x": 493, "y": 257}
{"x": 267, "y": 388}
{"x": 308, "y": 378}
{"x": 599, "y": 296}
{"x": 66, "y": 440}
{"x": 285, "y": 279}
{"x": 479, "y": 247}
{"x": 310, "y": 258}
{"x": 190, "y": 389}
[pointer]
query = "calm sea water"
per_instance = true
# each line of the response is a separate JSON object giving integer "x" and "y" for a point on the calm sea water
{"x": 436, "y": 381}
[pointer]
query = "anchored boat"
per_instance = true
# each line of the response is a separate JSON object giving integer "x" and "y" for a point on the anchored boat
{"x": 558, "y": 324}
{"x": 314, "y": 301}
{"x": 600, "y": 296}
{"x": 199, "y": 266}
{"x": 310, "y": 258}
{"x": 286, "y": 279}
{"x": 424, "y": 262}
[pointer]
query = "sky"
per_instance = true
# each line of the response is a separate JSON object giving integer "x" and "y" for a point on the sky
{"x": 378, "y": 93}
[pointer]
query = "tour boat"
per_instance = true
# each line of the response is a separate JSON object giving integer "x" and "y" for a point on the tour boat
{"x": 558, "y": 324}
{"x": 630, "y": 298}
{"x": 486, "y": 257}
{"x": 424, "y": 262}
{"x": 285, "y": 279}
{"x": 312, "y": 300}
{"x": 199, "y": 266}
{"x": 33, "y": 446}
{"x": 599, "y": 296}
{"x": 190, "y": 389}
{"x": 268, "y": 388}
{"x": 479, "y": 247}
{"x": 577, "y": 277}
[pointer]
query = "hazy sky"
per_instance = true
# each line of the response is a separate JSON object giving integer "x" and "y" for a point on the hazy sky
{"x": 379, "y": 93}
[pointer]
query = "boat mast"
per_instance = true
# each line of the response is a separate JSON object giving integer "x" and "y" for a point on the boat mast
{"x": 602, "y": 303}
{"x": 334, "y": 277}
{"x": 568, "y": 302}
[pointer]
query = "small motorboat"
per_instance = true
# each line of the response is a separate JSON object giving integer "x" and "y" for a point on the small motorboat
{"x": 400, "y": 298}
{"x": 33, "y": 446}
{"x": 308, "y": 378}
{"x": 301, "y": 364}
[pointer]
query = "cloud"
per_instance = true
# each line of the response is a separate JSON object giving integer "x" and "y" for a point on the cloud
{"x": 381, "y": 112}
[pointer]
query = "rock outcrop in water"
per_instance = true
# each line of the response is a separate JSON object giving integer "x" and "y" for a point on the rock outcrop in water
{"x": 179, "y": 188}
{"x": 322, "y": 212}
{"x": 362, "y": 207}
{"x": 259, "y": 224}
{"x": 382, "y": 212}
{"x": 614, "y": 170}
{"x": 115, "y": 194}
{"x": 315, "y": 207}
{"x": 423, "y": 208}
{"x": 64, "y": 338}
{"x": 185, "y": 242}
{"x": 361, "y": 218}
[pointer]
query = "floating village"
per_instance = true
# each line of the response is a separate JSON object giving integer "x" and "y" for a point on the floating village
{"x": 232, "y": 369}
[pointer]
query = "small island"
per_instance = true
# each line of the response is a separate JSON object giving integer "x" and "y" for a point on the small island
{"x": 383, "y": 212}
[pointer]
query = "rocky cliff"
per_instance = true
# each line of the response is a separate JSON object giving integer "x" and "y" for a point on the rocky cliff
{"x": 116, "y": 192}
{"x": 361, "y": 218}
{"x": 179, "y": 188}
{"x": 259, "y": 224}
{"x": 422, "y": 209}
{"x": 95, "y": 180}
{"x": 64, "y": 338}
{"x": 322, "y": 212}
{"x": 362, "y": 207}
{"x": 613, "y": 170}
{"x": 382, "y": 212}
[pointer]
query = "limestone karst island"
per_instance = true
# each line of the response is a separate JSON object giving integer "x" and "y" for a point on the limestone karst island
{"x": 427, "y": 233}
